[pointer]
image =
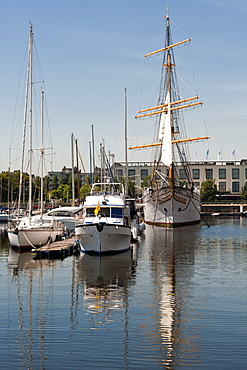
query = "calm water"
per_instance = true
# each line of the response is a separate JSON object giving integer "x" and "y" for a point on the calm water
{"x": 177, "y": 301}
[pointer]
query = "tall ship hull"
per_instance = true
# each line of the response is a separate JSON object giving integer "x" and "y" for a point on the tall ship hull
{"x": 171, "y": 209}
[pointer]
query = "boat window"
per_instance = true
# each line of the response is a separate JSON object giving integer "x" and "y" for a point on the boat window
{"x": 117, "y": 212}
{"x": 105, "y": 212}
{"x": 90, "y": 212}
{"x": 60, "y": 214}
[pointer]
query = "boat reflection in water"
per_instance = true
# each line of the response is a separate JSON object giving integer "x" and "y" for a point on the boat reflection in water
{"x": 139, "y": 300}
{"x": 105, "y": 280}
{"x": 172, "y": 267}
{"x": 17, "y": 260}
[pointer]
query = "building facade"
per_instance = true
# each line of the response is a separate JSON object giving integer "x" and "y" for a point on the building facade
{"x": 229, "y": 176}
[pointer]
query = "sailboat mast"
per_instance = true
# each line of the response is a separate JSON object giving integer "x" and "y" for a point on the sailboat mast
{"x": 78, "y": 174}
{"x": 93, "y": 154}
{"x": 72, "y": 172}
{"x": 42, "y": 156}
{"x": 31, "y": 121}
{"x": 126, "y": 141}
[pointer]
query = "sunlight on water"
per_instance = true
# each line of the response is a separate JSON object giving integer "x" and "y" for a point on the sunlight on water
{"x": 176, "y": 300}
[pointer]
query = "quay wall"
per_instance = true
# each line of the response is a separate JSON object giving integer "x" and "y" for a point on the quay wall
{"x": 224, "y": 209}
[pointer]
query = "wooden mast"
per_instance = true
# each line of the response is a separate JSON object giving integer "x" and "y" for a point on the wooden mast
{"x": 168, "y": 68}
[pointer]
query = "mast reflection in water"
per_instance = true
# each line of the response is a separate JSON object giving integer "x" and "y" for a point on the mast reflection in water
{"x": 177, "y": 300}
{"x": 172, "y": 254}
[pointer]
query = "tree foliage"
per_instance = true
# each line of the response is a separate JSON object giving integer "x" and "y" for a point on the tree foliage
{"x": 208, "y": 190}
{"x": 243, "y": 193}
{"x": 84, "y": 191}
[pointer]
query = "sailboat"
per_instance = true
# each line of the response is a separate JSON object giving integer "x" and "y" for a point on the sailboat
{"x": 31, "y": 231}
{"x": 168, "y": 202}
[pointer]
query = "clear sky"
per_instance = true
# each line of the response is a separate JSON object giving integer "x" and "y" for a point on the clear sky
{"x": 90, "y": 51}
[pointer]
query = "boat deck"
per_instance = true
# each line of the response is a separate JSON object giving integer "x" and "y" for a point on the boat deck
{"x": 58, "y": 249}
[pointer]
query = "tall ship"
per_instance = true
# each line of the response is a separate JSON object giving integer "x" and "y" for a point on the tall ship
{"x": 168, "y": 201}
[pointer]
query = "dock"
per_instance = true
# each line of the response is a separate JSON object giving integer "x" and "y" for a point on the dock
{"x": 58, "y": 249}
{"x": 224, "y": 209}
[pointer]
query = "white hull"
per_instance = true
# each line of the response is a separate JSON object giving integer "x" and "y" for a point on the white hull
{"x": 66, "y": 215}
{"x": 111, "y": 239}
{"x": 165, "y": 208}
{"x": 33, "y": 236}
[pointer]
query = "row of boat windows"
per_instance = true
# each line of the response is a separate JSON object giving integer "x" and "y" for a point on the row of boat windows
{"x": 209, "y": 173}
{"x": 60, "y": 214}
{"x": 105, "y": 212}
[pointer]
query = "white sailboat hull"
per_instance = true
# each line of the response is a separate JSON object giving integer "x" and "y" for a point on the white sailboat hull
{"x": 33, "y": 236}
{"x": 108, "y": 238}
{"x": 171, "y": 208}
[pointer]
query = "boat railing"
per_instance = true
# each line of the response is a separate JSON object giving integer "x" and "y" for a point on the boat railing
{"x": 113, "y": 188}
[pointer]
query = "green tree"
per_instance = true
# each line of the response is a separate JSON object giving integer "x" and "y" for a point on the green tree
{"x": 243, "y": 193}
{"x": 46, "y": 186}
{"x": 84, "y": 190}
{"x": 64, "y": 192}
{"x": 131, "y": 188}
{"x": 145, "y": 182}
{"x": 54, "y": 194}
{"x": 63, "y": 180}
{"x": 208, "y": 190}
{"x": 37, "y": 187}
{"x": 54, "y": 182}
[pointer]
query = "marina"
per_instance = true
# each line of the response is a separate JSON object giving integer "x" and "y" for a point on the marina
{"x": 176, "y": 300}
{"x": 127, "y": 264}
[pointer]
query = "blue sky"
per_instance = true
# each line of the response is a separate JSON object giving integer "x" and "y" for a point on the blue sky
{"x": 89, "y": 51}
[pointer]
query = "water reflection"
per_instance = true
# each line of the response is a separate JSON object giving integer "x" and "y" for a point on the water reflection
{"x": 17, "y": 260}
{"x": 30, "y": 288}
{"x": 172, "y": 255}
{"x": 105, "y": 281}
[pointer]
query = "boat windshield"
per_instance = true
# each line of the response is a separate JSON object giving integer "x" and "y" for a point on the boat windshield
{"x": 117, "y": 212}
{"x": 105, "y": 212}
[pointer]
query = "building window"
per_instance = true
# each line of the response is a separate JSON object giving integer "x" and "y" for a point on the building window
{"x": 131, "y": 174}
{"x": 235, "y": 173}
{"x": 222, "y": 173}
{"x": 120, "y": 173}
{"x": 196, "y": 173}
{"x": 182, "y": 174}
{"x": 222, "y": 186}
{"x": 144, "y": 174}
{"x": 246, "y": 173}
{"x": 235, "y": 187}
{"x": 209, "y": 173}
